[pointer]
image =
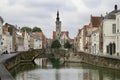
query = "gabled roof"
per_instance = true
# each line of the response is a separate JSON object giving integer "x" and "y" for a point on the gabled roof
{"x": 96, "y": 21}
{"x": 63, "y": 32}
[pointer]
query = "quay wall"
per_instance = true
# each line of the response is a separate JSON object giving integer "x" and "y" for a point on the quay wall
{"x": 99, "y": 60}
{"x": 21, "y": 57}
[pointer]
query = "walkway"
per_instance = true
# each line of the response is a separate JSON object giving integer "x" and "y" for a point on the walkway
{"x": 4, "y": 73}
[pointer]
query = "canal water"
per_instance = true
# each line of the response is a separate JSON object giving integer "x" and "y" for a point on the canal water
{"x": 50, "y": 69}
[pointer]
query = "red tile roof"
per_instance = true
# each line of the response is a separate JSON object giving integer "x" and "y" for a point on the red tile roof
{"x": 96, "y": 20}
{"x": 63, "y": 32}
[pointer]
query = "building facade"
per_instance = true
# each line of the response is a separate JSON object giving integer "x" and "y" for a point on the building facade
{"x": 1, "y": 24}
{"x": 19, "y": 41}
{"x": 95, "y": 42}
{"x": 111, "y": 33}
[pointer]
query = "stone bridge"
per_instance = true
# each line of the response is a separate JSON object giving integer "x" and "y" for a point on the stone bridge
{"x": 31, "y": 55}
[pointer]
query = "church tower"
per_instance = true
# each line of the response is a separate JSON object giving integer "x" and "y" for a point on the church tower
{"x": 58, "y": 26}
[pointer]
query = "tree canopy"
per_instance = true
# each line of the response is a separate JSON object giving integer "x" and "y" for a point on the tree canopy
{"x": 36, "y": 29}
{"x": 67, "y": 44}
{"x": 56, "y": 44}
{"x": 28, "y": 29}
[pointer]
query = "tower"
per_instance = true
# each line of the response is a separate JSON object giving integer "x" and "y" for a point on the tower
{"x": 58, "y": 26}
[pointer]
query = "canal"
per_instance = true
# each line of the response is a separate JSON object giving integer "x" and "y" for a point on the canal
{"x": 50, "y": 69}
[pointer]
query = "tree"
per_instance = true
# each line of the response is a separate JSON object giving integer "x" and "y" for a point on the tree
{"x": 28, "y": 29}
{"x": 67, "y": 44}
{"x": 36, "y": 29}
{"x": 56, "y": 44}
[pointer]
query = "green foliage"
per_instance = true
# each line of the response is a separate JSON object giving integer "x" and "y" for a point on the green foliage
{"x": 36, "y": 29}
{"x": 28, "y": 29}
{"x": 56, "y": 44}
{"x": 67, "y": 45}
{"x": 55, "y": 62}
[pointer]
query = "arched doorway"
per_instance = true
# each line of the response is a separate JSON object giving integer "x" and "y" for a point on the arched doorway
{"x": 110, "y": 48}
{"x": 114, "y": 48}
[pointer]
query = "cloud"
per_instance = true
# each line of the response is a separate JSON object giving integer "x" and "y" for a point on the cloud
{"x": 92, "y": 3}
{"x": 74, "y": 14}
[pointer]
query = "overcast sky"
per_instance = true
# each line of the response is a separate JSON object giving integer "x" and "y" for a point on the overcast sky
{"x": 42, "y": 13}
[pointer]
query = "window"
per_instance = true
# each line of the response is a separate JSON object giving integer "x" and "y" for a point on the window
{"x": 87, "y": 33}
{"x": 114, "y": 28}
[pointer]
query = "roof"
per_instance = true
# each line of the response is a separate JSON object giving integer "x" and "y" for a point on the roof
{"x": 63, "y": 32}
{"x": 112, "y": 15}
{"x": 96, "y": 21}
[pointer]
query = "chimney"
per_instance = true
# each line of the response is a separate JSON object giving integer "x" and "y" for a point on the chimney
{"x": 115, "y": 7}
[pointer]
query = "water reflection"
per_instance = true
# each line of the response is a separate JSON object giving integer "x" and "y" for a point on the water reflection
{"x": 43, "y": 62}
{"x": 70, "y": 71}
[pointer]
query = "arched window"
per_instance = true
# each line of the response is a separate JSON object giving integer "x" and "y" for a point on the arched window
{"x": 114, "y": 48}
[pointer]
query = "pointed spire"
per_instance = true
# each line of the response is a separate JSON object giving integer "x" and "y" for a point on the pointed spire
{"x": 57, "y": 16}
{"x": 115, "y": 7}
{"x": 57, "y": 13}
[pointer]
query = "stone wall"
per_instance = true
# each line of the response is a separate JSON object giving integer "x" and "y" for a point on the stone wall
{"x": 102, "y": 61}
{"x": 22, "y": 57}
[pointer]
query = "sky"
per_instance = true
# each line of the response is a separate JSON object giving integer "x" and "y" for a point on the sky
{"x": 74, "y": 14}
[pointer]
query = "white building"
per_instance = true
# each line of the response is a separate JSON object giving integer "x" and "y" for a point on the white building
{"x": 32, "y": 40}
{"x": 26, "y": 41}
{"x": 80, "y": 40}
{"x": 1, "y": 24}
{"x": 19, "y": 41}
{"x": 118, "y": 33}
{"x": 111, "y": 33}
{"x": 95, "y": 42}
{"x": 64, "y": 38}
{"x": 37, "y": 43}
{"x": 7, "y": 42}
